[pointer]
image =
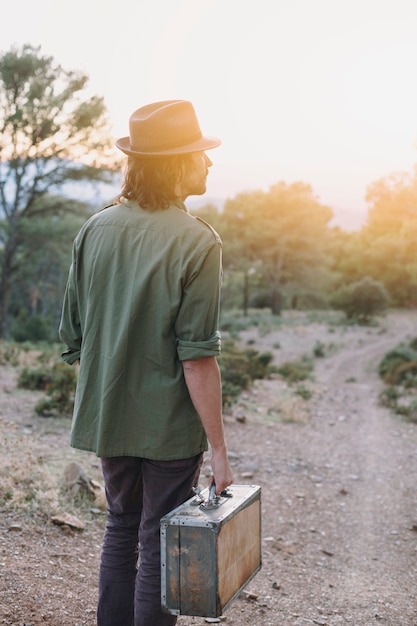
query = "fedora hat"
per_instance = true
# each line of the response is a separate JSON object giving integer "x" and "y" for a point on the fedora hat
{"x": 162, "y": 128}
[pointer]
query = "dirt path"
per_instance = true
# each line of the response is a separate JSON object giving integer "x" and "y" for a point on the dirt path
{"x": 340, "y": 534}
{"x": 339, "y": 488}
{"x": 374, "y": 463}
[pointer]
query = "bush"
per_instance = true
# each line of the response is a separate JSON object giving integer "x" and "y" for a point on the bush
{"x": 398, "y": 369}
{"x": 389, "y": 397}
{"x": 32, "y": 328}
{"x": 239, "y": 368}
{"x": 57, "y": 381}
{"x": 34, "y": 379}
{"x": 261, "y": 299}
{"x": 9, "y": 353}
{"x": 319, "y": 349}
{"x": 399, "y": 366}
{"x": 296, "y": 371}
{"x": 303, "y": 392}
{"x": 361, "y": 300}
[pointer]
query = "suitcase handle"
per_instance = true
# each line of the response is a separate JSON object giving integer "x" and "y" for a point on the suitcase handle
{"x": 214, "y": 501}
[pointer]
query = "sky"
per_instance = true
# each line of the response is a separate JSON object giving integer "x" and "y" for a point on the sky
{"x": 319, "y": 91}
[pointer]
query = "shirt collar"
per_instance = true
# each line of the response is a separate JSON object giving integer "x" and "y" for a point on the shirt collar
{"x": 180, "y": 205}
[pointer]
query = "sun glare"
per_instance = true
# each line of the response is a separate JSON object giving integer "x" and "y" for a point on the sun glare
{"x": 316, "y": 91}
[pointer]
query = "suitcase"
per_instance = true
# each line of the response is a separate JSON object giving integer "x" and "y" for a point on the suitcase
{"x": 210, "y": 549}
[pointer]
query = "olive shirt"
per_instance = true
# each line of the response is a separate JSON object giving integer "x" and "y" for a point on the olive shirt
{"x": 143, "y": 295}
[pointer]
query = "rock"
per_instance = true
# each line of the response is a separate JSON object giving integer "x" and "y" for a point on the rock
{"x": 327, "y": 551}
{"x": 66, "y": 519}
{"x": 76, "y": 480}
{"x": 250, "y": 595}
{"x": 247, "y": 475}
{"x": 100, "y": 499}
{"x": 14, "y": 528}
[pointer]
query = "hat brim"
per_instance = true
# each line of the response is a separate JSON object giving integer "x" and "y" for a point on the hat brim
{"x": 205, "y": 143}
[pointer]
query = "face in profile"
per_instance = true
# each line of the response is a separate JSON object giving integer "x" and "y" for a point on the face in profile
{"x": 195, "y": 176}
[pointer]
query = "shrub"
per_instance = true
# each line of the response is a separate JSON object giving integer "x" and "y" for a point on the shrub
{"x": 389, "y": 397}
{"x": 261, "y": 299}
{"x": 57, "y": 381}
{"x": 239, "y": 368}
{"x": 303, "y": 392}
{"x": 319, "y": 349}
{"x": 411, "y": 413}
{"x": 361, "y": 300}
{"x": 398, "y": 369}
{"x": 296, "y": 371}
{"x": 399, "y": 365}
{"x": 32, "y": 328}
{"x": 61, "y": 391}
{"x": 9, "y": 353}
{"x": 34, "y": 379}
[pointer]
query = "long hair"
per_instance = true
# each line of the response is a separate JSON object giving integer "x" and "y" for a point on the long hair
{"x": 151, "y": 181}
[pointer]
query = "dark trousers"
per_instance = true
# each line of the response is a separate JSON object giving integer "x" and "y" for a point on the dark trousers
{"x": 139, "y": 492}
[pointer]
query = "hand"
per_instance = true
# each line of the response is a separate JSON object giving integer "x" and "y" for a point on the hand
{"x": 222, "y": 472}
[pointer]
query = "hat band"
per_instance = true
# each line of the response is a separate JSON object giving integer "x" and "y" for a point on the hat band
{"x": 155, "y": 147}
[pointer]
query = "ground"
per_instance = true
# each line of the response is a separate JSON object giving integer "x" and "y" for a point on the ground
{"x": 338, "y": 474}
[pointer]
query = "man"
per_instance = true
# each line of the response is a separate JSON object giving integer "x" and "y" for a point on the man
{"x": 140, "y": 315}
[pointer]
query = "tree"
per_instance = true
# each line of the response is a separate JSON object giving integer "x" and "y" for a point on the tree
{"x": 345, "y": 252}
{"x": 43, "y": 260}
{"x": 51, "y": 133}
{"x": 281, "y": 232}
{"x": 389, "y": 237}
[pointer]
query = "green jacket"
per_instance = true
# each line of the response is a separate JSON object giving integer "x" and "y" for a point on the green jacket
{"x": 142, "y": 295}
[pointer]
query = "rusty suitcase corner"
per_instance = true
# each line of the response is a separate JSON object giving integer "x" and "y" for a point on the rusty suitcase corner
{"x": 210, "y": 553}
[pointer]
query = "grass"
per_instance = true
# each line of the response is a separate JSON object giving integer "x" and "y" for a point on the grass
{"x": 32, "y": 463}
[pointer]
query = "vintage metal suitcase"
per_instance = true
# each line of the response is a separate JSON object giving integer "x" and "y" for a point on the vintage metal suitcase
{"x": 210, "y": 549}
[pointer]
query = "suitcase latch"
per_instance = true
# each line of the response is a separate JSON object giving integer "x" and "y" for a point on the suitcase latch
{"x": 214, "y": 501}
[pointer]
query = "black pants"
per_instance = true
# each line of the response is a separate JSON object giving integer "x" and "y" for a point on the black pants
{"x": 139, "y": 492}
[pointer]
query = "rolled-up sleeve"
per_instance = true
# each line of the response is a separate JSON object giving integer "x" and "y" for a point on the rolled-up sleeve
{"x": 196, "y": 326}
{"x": 192, "y": 350}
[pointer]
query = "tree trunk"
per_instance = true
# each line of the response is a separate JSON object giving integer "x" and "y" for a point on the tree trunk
{"x": 4, "y": 306}
{"x": 276, "y": 305}
{"x": 6, "y": 285}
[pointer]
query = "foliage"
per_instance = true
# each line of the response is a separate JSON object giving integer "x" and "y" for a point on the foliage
{"x": 398, "y": 370}
{"x": 392, "y": 398}
{"x": 361, "y": 300}
{"x": 9, "y": 353}
{"x": 35, "y": 379}
{"x": 277, "y": 236}
{"x": 31, "y": 328}
{"x": 399, "y": 366}
{"x": 39, "y": 281}
{"x": 319, "y": 349}
{"x": 389, "y": 396}
{"x": 296, "y": 371}
{"x": 49, "y": 135}
{"x": 389, "y": 239}
{"x": 239, "y": 367}
{"x": 57, "y": 381}
{"x": 303, "y": 392}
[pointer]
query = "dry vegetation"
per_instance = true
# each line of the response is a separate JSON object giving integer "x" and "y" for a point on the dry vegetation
{"x": 338, "y": 475}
